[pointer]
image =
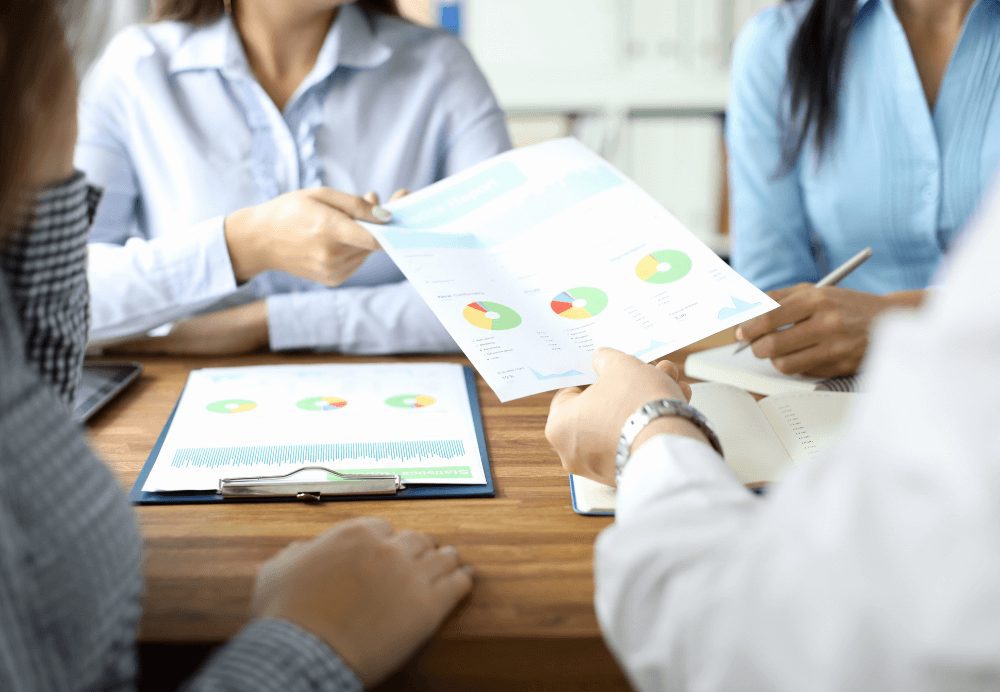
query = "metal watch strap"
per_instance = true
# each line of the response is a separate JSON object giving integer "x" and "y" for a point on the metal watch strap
{"x": 651, "y": 411}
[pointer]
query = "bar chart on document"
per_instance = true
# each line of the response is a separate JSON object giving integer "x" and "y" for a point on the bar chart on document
{"x": 538, "y": 257}
{"x": 414, "y": 420}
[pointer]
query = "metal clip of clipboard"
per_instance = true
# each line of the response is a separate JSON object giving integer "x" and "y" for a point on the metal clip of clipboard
{"x": 311, "y": 490}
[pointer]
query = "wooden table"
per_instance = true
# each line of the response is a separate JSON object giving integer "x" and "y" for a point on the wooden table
{"x": 529, "y": 623}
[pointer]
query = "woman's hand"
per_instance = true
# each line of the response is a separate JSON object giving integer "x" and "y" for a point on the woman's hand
{"x": 830, "y": 332}
{"x": 230, "y": 332}
{"x": 584, "y": 424}
{"x": 372, "y": 594}
{"x": 309, "y": 233}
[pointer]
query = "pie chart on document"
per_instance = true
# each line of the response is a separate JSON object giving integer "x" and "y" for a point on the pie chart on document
{"x": 489, "y": 315}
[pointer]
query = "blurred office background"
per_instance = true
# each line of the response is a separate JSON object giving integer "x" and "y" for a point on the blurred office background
{"x": 643, "y": 82}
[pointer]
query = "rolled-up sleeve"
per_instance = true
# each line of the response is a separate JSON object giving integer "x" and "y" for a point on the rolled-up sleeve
{"x": 145, "y": 283}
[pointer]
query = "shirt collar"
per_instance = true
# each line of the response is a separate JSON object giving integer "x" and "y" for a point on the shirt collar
{"x": 351, "y": 42}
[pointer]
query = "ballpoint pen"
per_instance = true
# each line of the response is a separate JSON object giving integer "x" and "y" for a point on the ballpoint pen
{"x": 831, "y": 279}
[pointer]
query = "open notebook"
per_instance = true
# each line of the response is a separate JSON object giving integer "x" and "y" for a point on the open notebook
{"x": 749, "y": 372}
{"x": 761, "y": 439}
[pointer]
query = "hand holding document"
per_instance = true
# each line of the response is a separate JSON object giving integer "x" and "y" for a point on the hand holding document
{"x": 538, "y": 257}
{"x": 763, "y": 439}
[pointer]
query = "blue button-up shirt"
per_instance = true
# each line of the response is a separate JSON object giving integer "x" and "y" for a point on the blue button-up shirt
{"x": 897, "y": 175}
{"x": 178, "y": 131}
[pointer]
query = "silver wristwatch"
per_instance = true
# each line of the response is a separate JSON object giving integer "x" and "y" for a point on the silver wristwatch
{"x": 646, "y": 414}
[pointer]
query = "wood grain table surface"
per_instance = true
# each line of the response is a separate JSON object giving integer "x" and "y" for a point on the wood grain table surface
{"x": 529, "y": 623}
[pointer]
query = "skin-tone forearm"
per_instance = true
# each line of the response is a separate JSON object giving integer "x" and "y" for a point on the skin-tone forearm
{"x": 906, "y": 299}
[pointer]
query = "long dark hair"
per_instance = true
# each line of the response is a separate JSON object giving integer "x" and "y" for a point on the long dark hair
{"x": 206, "y": 11}
{"x": 32, "y": 67}
{"x": 815, "y": 72}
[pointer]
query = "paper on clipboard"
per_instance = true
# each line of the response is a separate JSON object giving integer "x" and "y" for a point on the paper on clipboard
{"x": 413, "y": 420}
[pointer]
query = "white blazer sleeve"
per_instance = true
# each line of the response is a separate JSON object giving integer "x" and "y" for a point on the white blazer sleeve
{"x": 873, "y": 568}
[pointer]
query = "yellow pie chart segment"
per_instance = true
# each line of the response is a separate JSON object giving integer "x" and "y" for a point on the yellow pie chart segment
{"x": 663, "y": 266}
{"x": 489, "y": 315}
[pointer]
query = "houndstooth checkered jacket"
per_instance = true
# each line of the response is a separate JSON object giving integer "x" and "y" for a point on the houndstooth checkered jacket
{"x": 70, "y": 580}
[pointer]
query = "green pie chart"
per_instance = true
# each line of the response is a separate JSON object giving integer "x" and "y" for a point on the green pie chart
{"x": 663, "y": 266}
{"x": 411, "y": 401}
{"x": 489, "y": 315}
{"x": 232, "y": 406}
{"x": 322, "y": 403}
{"x": 580, "y": 303}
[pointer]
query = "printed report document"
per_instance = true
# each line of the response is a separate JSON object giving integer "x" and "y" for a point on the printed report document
{"x": 534, "y": 259}
{"x": 414, "y": 420}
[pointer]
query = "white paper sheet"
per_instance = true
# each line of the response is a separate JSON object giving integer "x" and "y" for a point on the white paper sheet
{"x": 411, "y": 419}
{"x": 534, "y": 259}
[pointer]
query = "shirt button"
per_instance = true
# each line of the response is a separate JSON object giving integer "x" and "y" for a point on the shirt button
{"x": 928, "y": 193}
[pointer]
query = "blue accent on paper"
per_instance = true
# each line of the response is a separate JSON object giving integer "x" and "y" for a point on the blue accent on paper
{"x": 409, "y": 227}
{"x": 555, "y": 376}
{"x": 738, "y": 307}
{"x": 654, "y": 345}
{"x": 410, "y": 240}
{"x": 452, "y": 203}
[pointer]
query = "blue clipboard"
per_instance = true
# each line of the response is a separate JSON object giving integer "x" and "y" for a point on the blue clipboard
{"x": 413, "y": 492}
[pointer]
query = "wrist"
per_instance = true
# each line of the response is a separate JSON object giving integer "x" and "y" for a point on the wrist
{"x": 670, "y": 425}
{"x": 257, "y": 327}
{"x": 245, "y": 246}
{"x": 904, "y": 299}
{"x": 668, "y": 415}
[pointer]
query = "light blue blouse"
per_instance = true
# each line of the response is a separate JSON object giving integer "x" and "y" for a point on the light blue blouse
{"x": 178, "y": 131}
{"x": 896, "y": 175}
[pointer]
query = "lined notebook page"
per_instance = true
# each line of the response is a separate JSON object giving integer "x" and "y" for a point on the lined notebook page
{"x": 751, "y": 447}
{"x": 807, "y": 424}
